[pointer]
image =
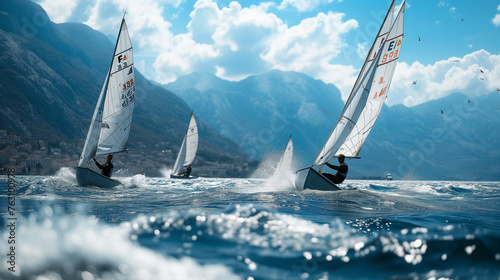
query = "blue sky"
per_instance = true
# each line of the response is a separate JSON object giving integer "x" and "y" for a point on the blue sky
{"x": 325, "y": 39}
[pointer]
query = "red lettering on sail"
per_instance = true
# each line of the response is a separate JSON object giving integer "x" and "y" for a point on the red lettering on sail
{"x": 128, "y": 84}
{"x": 382, "y": 92}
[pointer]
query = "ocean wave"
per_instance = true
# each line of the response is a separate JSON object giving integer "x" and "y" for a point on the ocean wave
{"x": 287, "y": 239}
{"x": 52, "y": 246}
{"x": 236, "y": 228}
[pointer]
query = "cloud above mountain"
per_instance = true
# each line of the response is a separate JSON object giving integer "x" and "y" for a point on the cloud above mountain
{"x": 222, "y": 40}
{"x": 473, "y": 74}
{"x": 234, "y": 41}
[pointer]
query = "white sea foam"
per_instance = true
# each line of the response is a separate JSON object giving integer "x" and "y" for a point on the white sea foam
{"x": 138, "y": 180}
{"x": 166, "y": 172}
{"x": 270, "y": 179}
{"x": 64, "y": 175}
{"x": 64, "y": 247}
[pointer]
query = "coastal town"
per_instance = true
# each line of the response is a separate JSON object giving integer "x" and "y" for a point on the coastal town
{"x": 40, "y": 158}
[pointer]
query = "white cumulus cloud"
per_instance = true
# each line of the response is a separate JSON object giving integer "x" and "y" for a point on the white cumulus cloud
{"x": 58, "y": 10}
{"x": 445, "y": 77}
{"x": 496, "y": 19}
{"x": 303, "y": 5}
{"x": 234, "y": 42}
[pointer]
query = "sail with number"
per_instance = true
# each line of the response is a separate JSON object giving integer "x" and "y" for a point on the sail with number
{"x": 363, "y": 105}
{"x": 383, "y": 78}
{"x": 372, "y": 53}
{"x": 188, "y": 149}
{"x": 110, "y": 126}
{"x": 369, "y": 92}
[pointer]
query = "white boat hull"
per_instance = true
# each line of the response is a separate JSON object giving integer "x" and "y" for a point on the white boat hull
{"x": 308, "y": 178}
{"x": 87, "y": 178}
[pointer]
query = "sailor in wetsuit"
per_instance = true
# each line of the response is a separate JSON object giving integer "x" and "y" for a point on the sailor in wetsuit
{"x": 342, "y": 170}
{"x": 106, "y": 167}
{"x": 186, "y": 172}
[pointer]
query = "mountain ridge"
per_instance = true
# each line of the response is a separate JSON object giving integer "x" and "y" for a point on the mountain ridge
{"x": 410, "y": 142}
{"x": 50, "y": 79}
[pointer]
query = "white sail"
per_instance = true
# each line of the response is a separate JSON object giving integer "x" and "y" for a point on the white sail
{"x": 372, "y": 53}
{"x": 347, "y": 121}
{"x": 361, "y": 109}
{"x": 90, "y": 146}
{"x": 110, "y": 125}
{"x": 189, "y": 146}
{"x": 120, "y": 98}
{"x": 286, "y": 159}
{"x": 378, "y": 94}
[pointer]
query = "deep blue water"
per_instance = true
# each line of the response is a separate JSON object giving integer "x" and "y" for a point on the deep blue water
{"x": 157, "y": 228}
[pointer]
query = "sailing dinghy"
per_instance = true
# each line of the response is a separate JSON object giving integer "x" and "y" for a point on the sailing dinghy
{"x": 110, "y": 126}
{"x": 187, "y": 153}
{"x": 363, "y": 105}
{"x": 285, "y": 160}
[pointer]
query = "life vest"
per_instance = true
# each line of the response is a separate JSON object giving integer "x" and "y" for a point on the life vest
{"x": 346, "y": 170}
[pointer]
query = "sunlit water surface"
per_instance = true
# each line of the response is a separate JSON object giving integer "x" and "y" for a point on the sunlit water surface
{"x": 204, "y": 228}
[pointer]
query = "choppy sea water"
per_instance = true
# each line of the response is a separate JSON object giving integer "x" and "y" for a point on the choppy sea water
{"x": 204, "y": 228}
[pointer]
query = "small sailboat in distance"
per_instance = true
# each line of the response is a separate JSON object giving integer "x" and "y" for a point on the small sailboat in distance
{"x": 363, "y": 105}
{"x": 110, "y": 126}
{"x": 286, "y": 159}
{"x": 388, "y": 176}
{"x": 187, "y": 153}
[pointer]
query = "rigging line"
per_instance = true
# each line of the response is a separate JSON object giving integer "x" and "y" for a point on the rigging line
{"x": 331, "y": 114}
{"x": 123, "y": 51}
{"x": 122, "y": 69}
{"x": 116, "y": 112}
{"x": 319, "y": 131}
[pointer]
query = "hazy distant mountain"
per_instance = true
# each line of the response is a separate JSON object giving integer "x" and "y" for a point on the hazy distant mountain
{"x": 261, "y": 111}
{"x": 51, "y": 76}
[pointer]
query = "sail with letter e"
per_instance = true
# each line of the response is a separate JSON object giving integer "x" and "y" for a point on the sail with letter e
{"x": 363, "y": 107}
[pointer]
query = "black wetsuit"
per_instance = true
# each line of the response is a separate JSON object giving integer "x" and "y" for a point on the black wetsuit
{"x": 188, "y": 171}
{"x": 339, "y": 177}
{"x": 106, "y": 168}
